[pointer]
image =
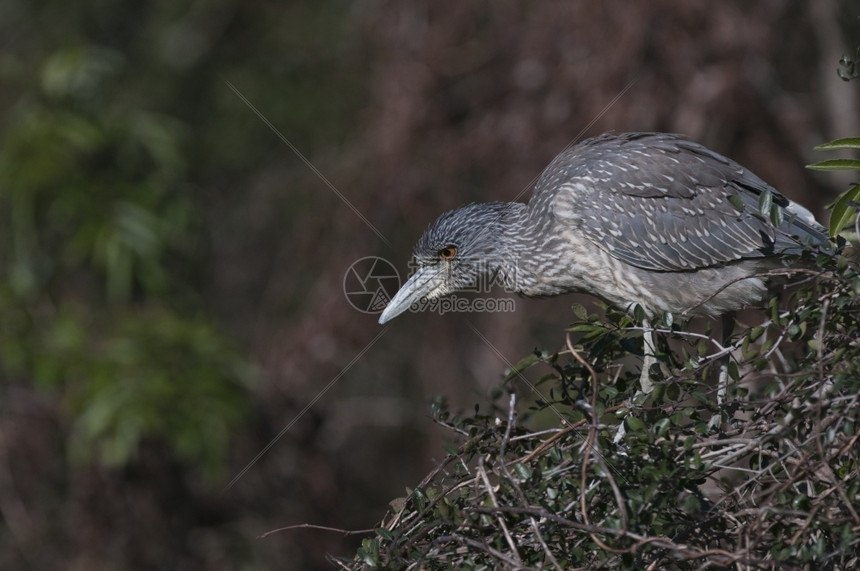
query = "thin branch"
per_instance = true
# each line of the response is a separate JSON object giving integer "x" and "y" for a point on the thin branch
{"x": 317, "y": 527}
{"x": 489, "y": 489}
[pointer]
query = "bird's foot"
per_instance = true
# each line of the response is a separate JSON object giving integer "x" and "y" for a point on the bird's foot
{"x": 645, "y": 377}
{"x": 723, "y": 382}
{"x": 619, "y": 433}
{"x": 716, "y": 423}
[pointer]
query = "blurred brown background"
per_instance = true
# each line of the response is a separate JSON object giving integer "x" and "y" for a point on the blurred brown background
{"x": 407, "y": 110}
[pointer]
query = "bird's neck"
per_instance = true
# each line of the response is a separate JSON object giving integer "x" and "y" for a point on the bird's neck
{"x": 515, "y": 270}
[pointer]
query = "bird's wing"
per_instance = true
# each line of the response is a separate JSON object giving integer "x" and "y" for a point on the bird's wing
{"x": 663, "y": 203}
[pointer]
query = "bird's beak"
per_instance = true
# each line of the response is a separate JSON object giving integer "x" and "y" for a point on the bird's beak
{"x": 427, "y": 282}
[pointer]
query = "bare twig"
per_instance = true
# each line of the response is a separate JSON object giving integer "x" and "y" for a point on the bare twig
{"x": 318, "y": 528}
{"x": 482, "y": 473}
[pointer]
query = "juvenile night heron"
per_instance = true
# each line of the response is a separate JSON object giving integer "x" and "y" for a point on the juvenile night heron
{"x": 638, "y": 218}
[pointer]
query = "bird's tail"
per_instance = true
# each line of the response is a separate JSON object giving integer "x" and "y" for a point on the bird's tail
{"x": 800, "y": 232}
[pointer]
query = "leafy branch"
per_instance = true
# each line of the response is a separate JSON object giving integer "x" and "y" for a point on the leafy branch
{"x": 845, "y": 207}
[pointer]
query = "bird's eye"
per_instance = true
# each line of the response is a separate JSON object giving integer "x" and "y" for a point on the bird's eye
{"x": 448, "y": 252}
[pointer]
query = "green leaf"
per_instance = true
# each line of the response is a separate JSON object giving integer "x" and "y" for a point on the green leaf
{"x": 522, "y": 471}
{"x": 835, "y": 165}
{"x": 635, "y": 424}
{"x": 522, "y": 365}
{"x": 765, "y": 202}
{"x": 579, "y": 311}
{"x": 733, "y": 372}
{"x": 776, "y": 215}
{"x": 661, "y": 426}
{"x": 844, "y": 143}
{"x": 737, "y": 202}
{"x": 844, "y": 211}
{"x": 756, "y": 332}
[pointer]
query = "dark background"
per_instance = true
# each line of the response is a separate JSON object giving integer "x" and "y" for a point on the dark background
{"x": 172, "y": 271}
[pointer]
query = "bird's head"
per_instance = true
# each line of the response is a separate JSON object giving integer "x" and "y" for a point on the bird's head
{"x": 459, "y": 250}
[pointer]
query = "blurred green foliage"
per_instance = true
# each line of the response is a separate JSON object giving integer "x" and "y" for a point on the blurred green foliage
{"x": 90, "y": 186}
{"x": 131, "y": 185}
{"x": 96, "y": 224}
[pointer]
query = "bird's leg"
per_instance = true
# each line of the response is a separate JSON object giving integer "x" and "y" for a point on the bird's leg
{"x": 649, "y": 351}
{"x": 728, "y": 326}
{"x": 649, "y": 357}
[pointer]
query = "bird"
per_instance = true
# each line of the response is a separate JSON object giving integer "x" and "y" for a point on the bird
{"x": 644, "y": 219}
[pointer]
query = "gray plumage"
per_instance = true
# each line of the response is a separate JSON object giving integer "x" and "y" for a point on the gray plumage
{"x": 638, "y": 218}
